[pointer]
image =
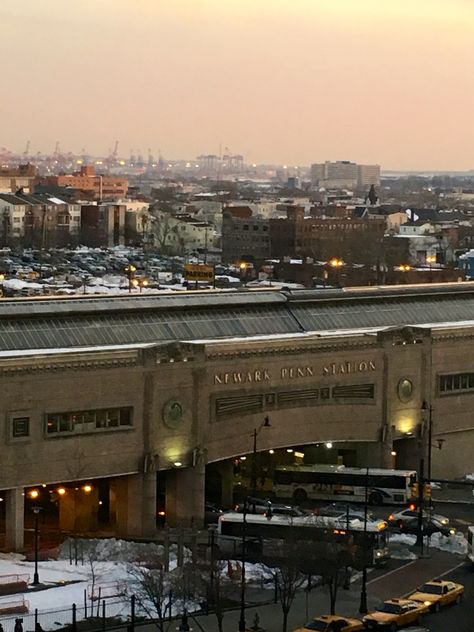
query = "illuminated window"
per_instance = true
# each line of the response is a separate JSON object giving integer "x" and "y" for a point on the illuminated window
{"x": 79, "y": 422}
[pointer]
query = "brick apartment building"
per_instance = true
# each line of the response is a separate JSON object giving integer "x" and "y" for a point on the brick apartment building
{"x": 13, "y": 179}
{"x": 351, "y": 238}
{"x": 93, "y": 185}
{"x": 244, "y": 236}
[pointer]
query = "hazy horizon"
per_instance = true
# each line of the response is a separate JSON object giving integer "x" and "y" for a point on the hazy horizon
{"x": 277, "y": 81}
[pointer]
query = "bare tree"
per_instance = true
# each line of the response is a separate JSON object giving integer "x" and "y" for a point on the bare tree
{"x": 215, "y": 583}
{"x": 150, "y": 584}
{"x": 288, "y": 562}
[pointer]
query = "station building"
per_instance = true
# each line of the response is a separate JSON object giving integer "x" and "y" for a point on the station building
{"x": 101, "y": 397}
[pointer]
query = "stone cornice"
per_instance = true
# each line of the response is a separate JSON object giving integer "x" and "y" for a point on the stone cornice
{"x": 66, "y": 362}
{"x": 321, "y": 347}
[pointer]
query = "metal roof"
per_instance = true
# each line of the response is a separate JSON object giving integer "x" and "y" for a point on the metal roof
{"x": 49, "y": 323}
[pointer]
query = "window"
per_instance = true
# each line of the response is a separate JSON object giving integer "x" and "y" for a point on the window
{"x": 87, "y": 421}
{"x": 20, "y": 427}
{"x": 456, "y": 382}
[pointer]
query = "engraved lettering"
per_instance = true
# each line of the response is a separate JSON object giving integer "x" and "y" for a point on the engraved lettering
{"x": 362, "y": 367}
{"x": 258, "y": 376}
{"x": 284, "y": 373}
{"x": 217, "y": 379}
{"x": 372, "y": 365}
{"x": 266, "y": 375}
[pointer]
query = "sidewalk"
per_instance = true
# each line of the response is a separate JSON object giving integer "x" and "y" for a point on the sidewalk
{"x": 394, "y": 583}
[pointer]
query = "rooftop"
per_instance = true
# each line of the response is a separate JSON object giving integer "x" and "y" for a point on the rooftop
{"x": 75, "y": 322}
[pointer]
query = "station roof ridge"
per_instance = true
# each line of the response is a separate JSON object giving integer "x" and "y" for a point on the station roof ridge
{"x": 64, "y": 323}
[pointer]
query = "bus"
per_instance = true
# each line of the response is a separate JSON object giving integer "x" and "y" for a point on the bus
{"x": 470, "y": 549}
{"x": 264, "y": 532}
{"x": 337, "y": 482}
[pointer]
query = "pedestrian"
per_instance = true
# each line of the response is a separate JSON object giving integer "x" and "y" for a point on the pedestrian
{"x": 18, "y": 625}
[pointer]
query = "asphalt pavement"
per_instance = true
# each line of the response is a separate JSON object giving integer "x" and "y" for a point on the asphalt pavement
{"x": 399, "y": 579}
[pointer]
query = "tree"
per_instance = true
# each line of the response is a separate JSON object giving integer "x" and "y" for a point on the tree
{"x": 288, "y": 562}
{"x": 215, "y": 583}
{"x": 329, "y": 560}
{"x": 150, "y": 584}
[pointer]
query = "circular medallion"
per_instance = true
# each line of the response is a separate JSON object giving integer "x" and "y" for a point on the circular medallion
{"x": 172, "y": 413}
{"x": 405, "y": 390}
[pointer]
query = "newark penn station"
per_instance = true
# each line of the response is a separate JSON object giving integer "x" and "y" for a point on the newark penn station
{"x": 109, "y": 403}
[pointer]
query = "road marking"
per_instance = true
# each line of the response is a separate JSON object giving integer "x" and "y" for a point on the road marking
{"x": 452, "y": 569}
{"x": 395, "y": 570}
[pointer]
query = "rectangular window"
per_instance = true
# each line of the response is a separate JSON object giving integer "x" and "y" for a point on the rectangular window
{"x": 20, "y": 427}
{"x": 456, "y": 382}
{"x": 79, "y": 422}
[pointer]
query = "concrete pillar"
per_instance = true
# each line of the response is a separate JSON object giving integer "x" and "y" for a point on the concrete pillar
{"x": 135, "y": 504}
{"x": 78, "y": 510}
{"x": 185, "y": 495}
{"x": 15, "y": 519}
{"x": 226, "y": 471}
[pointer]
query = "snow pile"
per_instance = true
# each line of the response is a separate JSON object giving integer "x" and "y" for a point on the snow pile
{"x": 122, "y": 551}
{"x": 469, "y": 477}
{"x": 450, "y": 543}
{"x": 403, "y": 538}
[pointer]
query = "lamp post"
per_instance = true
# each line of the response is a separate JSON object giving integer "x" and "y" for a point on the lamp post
{"x": 243, "y": 266}
{"x": 36, "y": 511}
{"x": 427, "y": 407}
{"x": 130, "y": 272}
{"x": 337, "y": 264}
{"x": 430, "y": 259}
{"x": 253, "y": 478}
{"x": 264, "y": 424}
{"x": 363, "y": 591}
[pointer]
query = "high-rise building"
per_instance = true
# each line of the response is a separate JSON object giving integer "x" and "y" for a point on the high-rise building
{"x": 344, "y": 174}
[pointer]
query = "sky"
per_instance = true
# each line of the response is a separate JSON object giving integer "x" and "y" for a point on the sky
{"x": 279, "y": 81}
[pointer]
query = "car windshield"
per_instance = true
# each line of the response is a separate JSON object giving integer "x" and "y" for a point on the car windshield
{"x": 391, "y": 608}
{"x": 316, "y": 624}
{"x": 432, "y": 589}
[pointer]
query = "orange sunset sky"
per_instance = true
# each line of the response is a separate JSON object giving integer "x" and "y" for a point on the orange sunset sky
{"x": 288, "y": 81}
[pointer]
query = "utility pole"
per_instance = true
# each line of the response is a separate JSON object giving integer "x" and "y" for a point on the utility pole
{"x": 363, "y": 592}
{"x": 421, "y": 485}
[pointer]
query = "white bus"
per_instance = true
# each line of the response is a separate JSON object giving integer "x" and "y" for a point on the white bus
{"x": 337, "y": 482}
{"x": 262, "y": 532}
{"x": 470, "y": 549}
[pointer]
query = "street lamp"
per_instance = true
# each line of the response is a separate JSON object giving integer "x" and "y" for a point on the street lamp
{"x": 363, "y": 591}
{"x": 264, "y": 424}
{"x": 130, "y": 272}
{"x": 36, "y": 511}
{"x": 243, "y": 266}
{"x": 426, "y": 407}
{"x": 430, "y": 259}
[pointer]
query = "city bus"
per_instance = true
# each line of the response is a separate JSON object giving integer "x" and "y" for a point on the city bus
{"x": 337, "y": 482}
{"x": 263, "y": 533}
{"x": 470, "y": 545}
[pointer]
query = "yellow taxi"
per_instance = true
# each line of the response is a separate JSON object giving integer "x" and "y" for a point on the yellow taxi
{"x": 437, "y": 593}
{"x": 332, "y": 623}
{"x": 394, "y": 614}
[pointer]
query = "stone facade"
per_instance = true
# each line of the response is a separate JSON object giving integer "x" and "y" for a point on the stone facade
{"x": 198, "y": 403}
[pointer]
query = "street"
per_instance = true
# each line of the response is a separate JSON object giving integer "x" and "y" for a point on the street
{"x": 399, "y": 579}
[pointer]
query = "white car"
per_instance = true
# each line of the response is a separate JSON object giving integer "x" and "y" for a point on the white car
{"x": 409, "y": 517}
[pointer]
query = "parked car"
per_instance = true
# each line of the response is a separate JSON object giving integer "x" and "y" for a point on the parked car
{"x": 212, "y": 513}
{"x": 437, "y": 593}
